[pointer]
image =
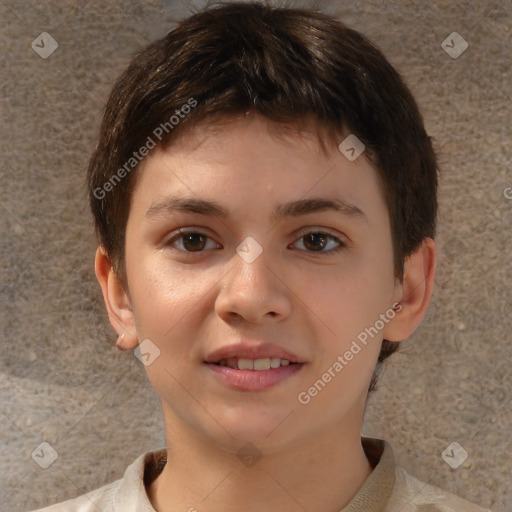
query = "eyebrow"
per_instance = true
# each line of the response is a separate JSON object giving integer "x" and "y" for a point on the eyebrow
{"x": 289, "y": 209}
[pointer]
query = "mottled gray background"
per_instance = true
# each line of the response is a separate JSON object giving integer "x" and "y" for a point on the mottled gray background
{"x": 62, "y": 381}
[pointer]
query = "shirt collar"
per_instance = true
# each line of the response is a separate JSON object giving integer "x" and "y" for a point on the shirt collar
{"x": 376, "y": 490}
{"x": 131, "y": 495}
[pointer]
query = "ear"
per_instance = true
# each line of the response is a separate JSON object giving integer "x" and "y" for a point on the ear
{"x": 117, "y": 301}
{"x": 414, "y": 293}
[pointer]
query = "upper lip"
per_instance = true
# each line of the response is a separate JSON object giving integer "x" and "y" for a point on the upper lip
{"x": 246, "y": 350}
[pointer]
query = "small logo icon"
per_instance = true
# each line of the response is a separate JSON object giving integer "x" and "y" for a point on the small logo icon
{"x": 507, "y": 192}
{"x": 454, "y": 455}
{"x": 146, "y": 352}
{"x": 45, "y": 455}
{"x": 454, "y": 45}
{"x": 44, "y": 45}
{"x": 249, "y": 455}
{"x": 249, "y": 249}
{"x": 351, "y": 147}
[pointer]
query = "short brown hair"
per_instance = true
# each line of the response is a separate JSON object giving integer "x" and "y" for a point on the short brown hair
{"x": 289, "y": 65}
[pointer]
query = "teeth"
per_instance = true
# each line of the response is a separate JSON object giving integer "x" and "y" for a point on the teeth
{"x": 254, "y": 364}
{"x": 246, "y": 364}
{"x": 275, "y": 362}
{"x": 260, "y": 364}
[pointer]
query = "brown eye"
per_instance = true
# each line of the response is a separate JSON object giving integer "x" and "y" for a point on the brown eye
{"x": 315, "y": 241}
{"x": 192, "y": 241}
{"x": 320, "y": 242}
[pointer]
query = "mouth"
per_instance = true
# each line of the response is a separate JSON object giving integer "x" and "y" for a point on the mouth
{"x": 248, "y": 355}
{"x": 249, "y": 367}
{"x": 261, "y": 364}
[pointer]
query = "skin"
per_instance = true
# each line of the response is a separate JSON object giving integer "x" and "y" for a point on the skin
{"x": 309, "y": 302}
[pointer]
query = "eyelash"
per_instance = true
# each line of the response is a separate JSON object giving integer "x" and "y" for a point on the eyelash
{"x": 341, "y": 245}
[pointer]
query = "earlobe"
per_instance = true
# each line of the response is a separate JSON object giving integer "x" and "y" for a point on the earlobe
{"x": 116, "y": 300}
{"x": 123, "y": 343}
{"x": 415, "y": 292}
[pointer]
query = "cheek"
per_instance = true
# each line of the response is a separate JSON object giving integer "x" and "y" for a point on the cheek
{"x": 163, "y": 297}
{"x": 358, "y": 286}
{"x": 347, "y": 299}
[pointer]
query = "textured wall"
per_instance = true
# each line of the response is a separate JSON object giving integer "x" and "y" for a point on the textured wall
{"x": 61, "y": 380}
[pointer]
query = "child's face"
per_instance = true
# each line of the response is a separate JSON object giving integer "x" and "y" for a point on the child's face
{"x": 193, "y": 296}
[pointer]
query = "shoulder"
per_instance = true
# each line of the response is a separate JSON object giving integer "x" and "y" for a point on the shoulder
{"x": 412, "y": 495}
{"x": 127, "y": 494}
{"x": 99, "y": 499}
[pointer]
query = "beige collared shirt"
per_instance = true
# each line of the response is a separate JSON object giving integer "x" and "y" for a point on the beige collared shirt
{"x": 389, "y": 488}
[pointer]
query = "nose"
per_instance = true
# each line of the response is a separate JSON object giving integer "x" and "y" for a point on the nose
{"x": 255, "y": 292}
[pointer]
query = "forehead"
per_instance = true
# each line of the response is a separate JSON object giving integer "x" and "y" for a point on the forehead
{"x": 252, "y": 160}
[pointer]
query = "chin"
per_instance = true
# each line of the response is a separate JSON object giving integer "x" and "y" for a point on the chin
{"x": 267, "y": 430}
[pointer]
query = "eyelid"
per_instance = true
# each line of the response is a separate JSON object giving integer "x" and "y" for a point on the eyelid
{"x": 341, "y": 237}
{"x": 319, "y": 229}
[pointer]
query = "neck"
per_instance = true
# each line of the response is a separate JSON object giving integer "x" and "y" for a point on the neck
{"x": 322, "y": 473}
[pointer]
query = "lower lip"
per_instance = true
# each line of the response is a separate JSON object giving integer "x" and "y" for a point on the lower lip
{"x": 254, "y": 380}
